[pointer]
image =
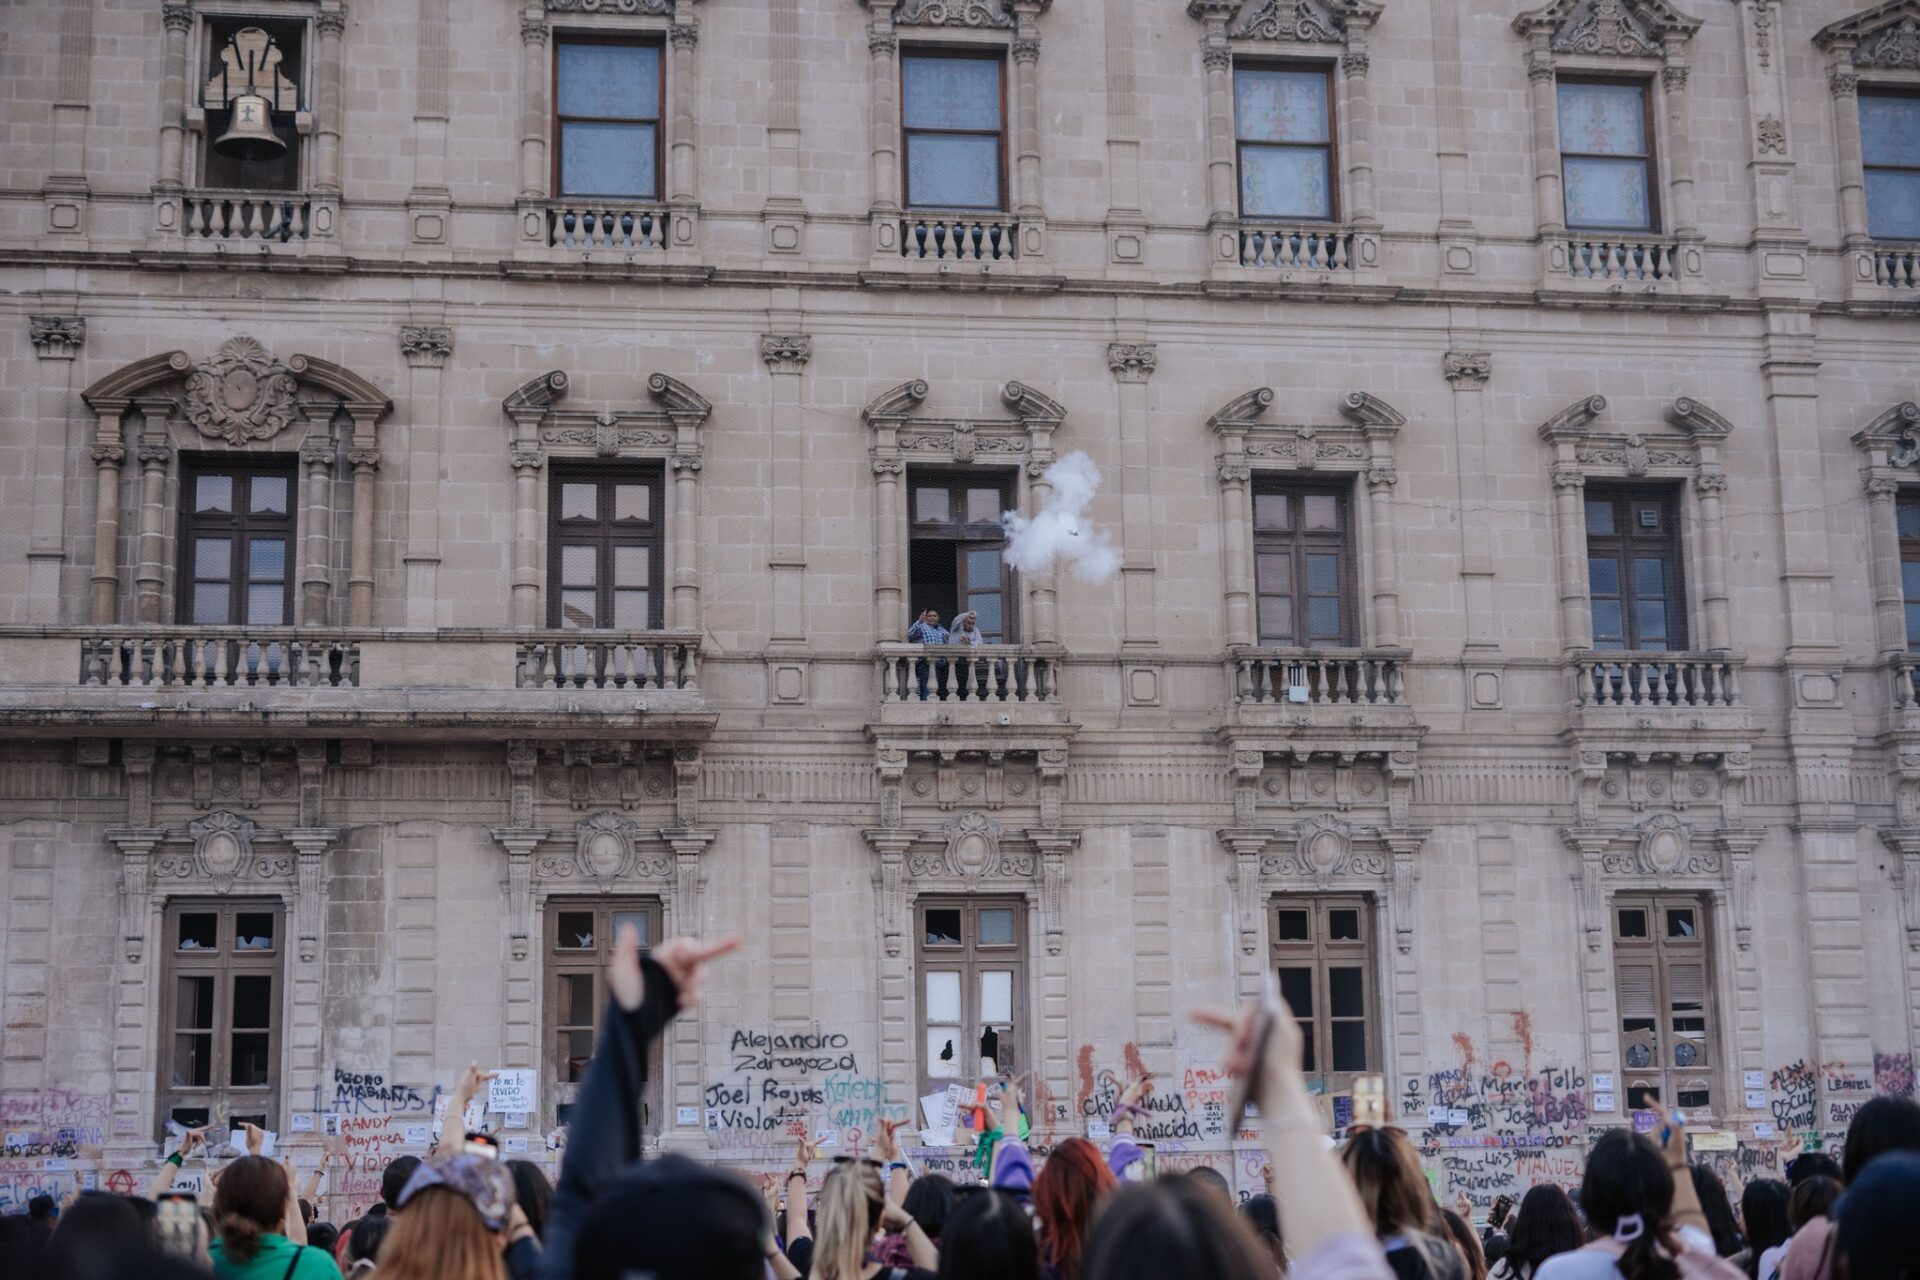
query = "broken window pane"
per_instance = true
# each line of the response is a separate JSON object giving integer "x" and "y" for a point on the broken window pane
{"x": 199, "y": 931}
{"x": 943, "y": 997}
{"x": 1291, "y": 926}
{"x": 943, "y": 1060}
{"x": 993, "y": 1054}
{"x": 253, "y": 931}
{"x": 575, "y": 931}
{"x": 943, "y": 926}
{"x": 1343, "y": 925}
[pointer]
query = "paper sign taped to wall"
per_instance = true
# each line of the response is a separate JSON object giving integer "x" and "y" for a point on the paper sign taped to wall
{"x": 514, "y": 1120}
{"x": 513, "y": 1091}
{"x": 303, "y": 1122}
{"x": 1756, "y": 1099}
{"x": 1764, "y": 1129}
{"x": 415, "y": 1135}
{"x": 939, "y": 1110}
{"x": 686, "y": 1115}
{"x": 1755, "y": 1079}
{"x": 1604, "y": 1102}
{"x": 826, "y": 1138}
{"x": 1099, "y": 1130}
{"x": 474, "y": 1120}
{"x": 1603, "y": 1082}
{"x": 1712, "y": 1140}
{"x": 517, "y": 1145}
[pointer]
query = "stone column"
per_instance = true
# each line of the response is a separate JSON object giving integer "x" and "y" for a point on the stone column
{"x": 890, "y": 579}
{"x": 686, "y": 541}
{"x": 520, "y": 1031}
{"x": 1849, "y": 162}
{"x": 682, "y": 136}
{"x": 177, "y": 19}
{"x": 156, "y": 459}
{"x": 1549, "y": 204}
{"x": 1570, "y": 539}
{"x": 1126, "y": 223}
{"x": 310, "y": 899}
{"x": 108, "y": 452}
{"x": 1467, "y": 374}
{"x": 67, "y": 191}
{"x": 786, "y": 356}
{"x": 685, "y": 1073}
{"x": 784, "y": 214}
{"x": 1029, "y": 204}
{"x": 429, "y": 202}
{"x": 426, "y": 347}
{"x": 134, "y": 1013}
{"x": 330, "y": 24}
{"x": 316, "y": 518}
{"x": 1889, "y": 597}
{"x": 1673, "y": 98}
{"x": 534, "y": 174}
{"x": 1042, "y": 595}
{"x": 899, "y": 1030}
{"x": 1243, "y": 890}
{"x": 527, "y": 540}
{"x": 1223, "y": 201}
{"x": 1454, "y": 125}
{"x": 1708, "y": 487}
{"x": 883, "y": 112}
{"x": 365, "y": 461}
{"x": 1359, "y": 104}
{"x": 1790, "y": 374}
{"x": 1133, "y": 364}
{"x": 1381, "y": 477}
{"x": 56, "y": 341}
{"x": 1236, "y": 537}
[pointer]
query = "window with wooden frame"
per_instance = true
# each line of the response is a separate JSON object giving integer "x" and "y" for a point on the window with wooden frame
{"x": 1303, "y": 565}
{"x": 1665, "y": 995}
{"x": 580, "y": 937}
{"x": 609, "y": 98}
{"x": 956, "y": 549}
{"x": 236, "y": 541}
{"x": 605, "y": 535}
{"x": 1907, "y": 513}
{"x": 972, "y": 964}
{"x": 1890, "y": 146}
{"x": 220, "y": 1013}
{"x": 1283, "y": 140}
{"x": 1606, "y": 156}
{"x": 1633, "y": 570}
{"x": 1323, "y": 955}
{"x": 261, "y": 57}
{"x": 953, "y": 111}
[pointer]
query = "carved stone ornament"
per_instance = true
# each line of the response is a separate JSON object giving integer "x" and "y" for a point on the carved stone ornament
{"x": 426, "y": 344}
{"x": 954, "y": 13}
{"x": 786, "y": 352}
{"x": 1303, "y": 21}
{"x": 973, "y": 853}
{"x": 1664, "y": 847}
{"x": 241, "y": 394}
{"x": 222, "y": 853}
{"x": 1469, "y": 368}
{"x": 653, "y": 7}
{"x": 1322, "y": 849}
{"x": 1608, "y": 28}
{"x": 1773, "y": 136}
{"x": 1885, "y": 37}
{"x": 1132, "y": 361}
{"x": 57, "y": 337}
{"x": 606, "y": 850}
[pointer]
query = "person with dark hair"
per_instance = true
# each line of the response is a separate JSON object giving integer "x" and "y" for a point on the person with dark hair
{"x": 989, "y": 1237}
{"x": 323, "y": 1236}
{"x": 1718, "y": 1206}
{"x": 1070, "y": 1186}
{"x": 930, "y": 1202}
{"x": 1814, "y": 1164}
{"x": 1467, "y": 1242}
{"x": 97, "y": 1232}
{"x": 1171, "y": 1227}
{"x": 1881, "y": 1127}
{"x": 258, "y": 1221}
{"x": 534, "y": 1192}
{"x": 1262, "y": 1213}
{"x": 364, "y": 1241}
{"x": 1546, "y": 1225}
{"x": 1386, "y": 1171}
{"x": 1647, "y": 1216}
{"x": 1763, "y": 1222}
{"x": 1213, "y": 1180}
{"x": 394, "y": 1180}
{"x": 1874, "y": 1222}
{"x": 1811, "y": 1201}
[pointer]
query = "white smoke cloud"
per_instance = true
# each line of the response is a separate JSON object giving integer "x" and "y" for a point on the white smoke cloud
{"x": 1061, "y": 529}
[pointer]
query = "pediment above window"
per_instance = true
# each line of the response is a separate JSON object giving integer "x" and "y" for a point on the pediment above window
{"x": 1635, "y": 453}
{"x": 1302, "y": 21}
{"x": 955, "y": 13}
{"x": 667, "y": 428}
{"x": 1608, "y": 28}
{"x": 1360, "y": 442}
{"x": 1885, "y": 37}
{"x": 642, "y": 8}
{"x": 1026, "y": 439}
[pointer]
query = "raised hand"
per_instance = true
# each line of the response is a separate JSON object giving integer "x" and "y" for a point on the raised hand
{"x": 887, "y": 1144}
{"x": 469, "y": 1087}
{"x": 256, "y": 1138}
{"x": 684, "y": 959}
{"x": 1137, "y": 1090}
{"x": 1279, "y": 1065}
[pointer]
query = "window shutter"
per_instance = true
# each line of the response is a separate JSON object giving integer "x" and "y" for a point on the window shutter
{"x": 1637, "y": 999}
{"x": 1687, "y": 986}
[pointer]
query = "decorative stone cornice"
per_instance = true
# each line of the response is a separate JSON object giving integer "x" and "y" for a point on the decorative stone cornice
{"x": 1132, "y": 361}
{"x": 955, "y": 13}
{"x": 1299, "y": 21}
{"x": 426, "y": 346}
{"x": 645, "y": 8}
{"x": 1469, "y": 369}
{"x": 57, "y": 337}
{"x": 786, "y": 352}
{"x": 1885, "y": 37}
{"x": 1608, "y": 28}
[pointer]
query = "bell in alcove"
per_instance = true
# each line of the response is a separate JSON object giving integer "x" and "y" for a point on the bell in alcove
{"x": 250, "y": 134}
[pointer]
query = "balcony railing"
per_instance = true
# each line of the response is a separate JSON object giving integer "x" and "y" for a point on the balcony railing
{"x": 1320, "y": 678}
{"x": 1906, "y": 682}
{"x": 1896, "y": 266}
{"x": 207, "y": 657}
{"x": 1606, "y": 258}
{"x": 624, "y": 660}
{"x": 1656, "y": 680}
{"x": 246, "y": 215}
{"x": 958, "y": 239}
{"x": 984, "y": 674}
{"x": 1295, "y": 248}
{"x": 622, "y": 228}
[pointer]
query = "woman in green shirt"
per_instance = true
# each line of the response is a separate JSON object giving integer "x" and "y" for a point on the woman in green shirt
{"x": 251, "y": 1206}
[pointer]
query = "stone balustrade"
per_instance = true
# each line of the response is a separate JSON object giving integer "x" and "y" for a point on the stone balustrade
{"x": 1623, "y": 259}
{"x": 1656, "y": 680}
{"x": 979, "y": 674}
{"x": 959, "y": 239}
{"x": 1320, "y": 677}
{"x": 187, "y": 657}
{"x": 607, "y": 660}
{"x": 1897, "y": 266}
{"x": 1307, "y": 248}
{"x": 622, "y": 228}
{"x": 262, "y": 216}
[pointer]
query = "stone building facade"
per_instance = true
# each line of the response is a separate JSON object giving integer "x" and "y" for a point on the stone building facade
{"x": 410, "y": 567}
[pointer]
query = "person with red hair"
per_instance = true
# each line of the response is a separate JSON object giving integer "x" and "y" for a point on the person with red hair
{"x": 1072, "y": 1183}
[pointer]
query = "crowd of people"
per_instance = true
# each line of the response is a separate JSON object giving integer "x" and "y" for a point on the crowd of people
{"x": 1359, "y": 1210}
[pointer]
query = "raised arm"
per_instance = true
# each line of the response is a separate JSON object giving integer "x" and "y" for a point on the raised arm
{"x": 887, "y": 1147}
{"x": 453, "y": 1126}
{"x": 796, "y": 1227}
{"x": 1317, "y": 1203}
{"x": 294, "y": 1227}
{"x": 1686, "y": 1201}
{"x": 925, "y": 1253}
{"x": 163, "y": 1177}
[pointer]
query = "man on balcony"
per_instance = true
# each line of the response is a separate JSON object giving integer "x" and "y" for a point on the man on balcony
{"x": 928, "y": 631}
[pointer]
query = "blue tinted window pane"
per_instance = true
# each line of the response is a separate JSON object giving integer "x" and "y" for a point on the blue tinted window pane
{"x": 1603, "y": 577}
{"x": 1913, "y": 625}
{"x": 607, "y": 160}
{"x": 1323, "y": 574}
{"x": 1909, "y": 518}
{"x": 1599, "y": 516}
{"x": 1323, "y": 618}
{"x": 1606, "y": 622}
{"x": 1909, "y": 577}
{"x": 946, "y": 172}
{"x": 1276, "y": 619}
{"x": 1280, "y": 106}
{"x": 1284, "y": 182}
{"x": 983, "y": 569}
{"x": 1652, "y": 615}
{"x": 1649, "y": 579}
{"x": 610, "y": 80}
{"x": 1603, "y": 119}
{"x": 1893, "y": 204}
{"x": 988, "y": 607}
{"x": 1608, "y": 193}
{"x": 266, "y": 558}
{"x": 1890, "y": 129}
{"x": 951, "y": 93}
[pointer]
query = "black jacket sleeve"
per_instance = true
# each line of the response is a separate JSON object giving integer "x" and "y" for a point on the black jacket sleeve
{"x": 603, "y": 1135}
